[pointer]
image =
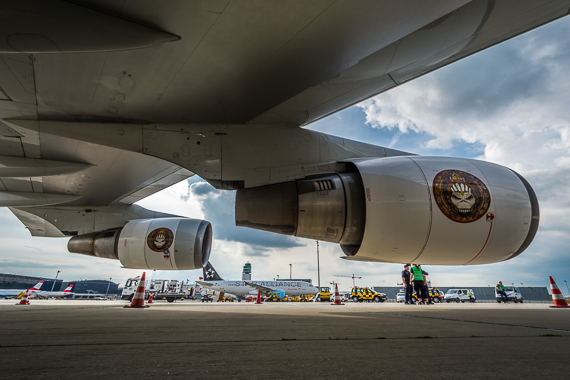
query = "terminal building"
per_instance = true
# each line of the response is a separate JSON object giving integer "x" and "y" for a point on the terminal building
{"x": 94, "y": 286}
{"x": 16, "y": 281}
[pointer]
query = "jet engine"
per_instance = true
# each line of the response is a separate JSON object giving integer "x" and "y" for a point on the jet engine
{"x": 428, "y": 210}
{"x": 164, "y": 243}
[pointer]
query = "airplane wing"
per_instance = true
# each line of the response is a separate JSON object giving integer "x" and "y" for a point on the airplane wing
{"x": 104, "y": 103}
{"x": 264, "y": 289}
{"x": 206, "y": 284}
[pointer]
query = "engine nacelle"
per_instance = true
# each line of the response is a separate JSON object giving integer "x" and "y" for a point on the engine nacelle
{"x": 164, "y": 243}
{"x": 429, "y": 210}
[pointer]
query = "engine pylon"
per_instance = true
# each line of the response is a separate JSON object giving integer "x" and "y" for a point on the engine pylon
{"x": 25, "y": 298}
{"x": 557, "y": 296}
{"x": 138, "y": 299}
{"x": 337, "y": 300}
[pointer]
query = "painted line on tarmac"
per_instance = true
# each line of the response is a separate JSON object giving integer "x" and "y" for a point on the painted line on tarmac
{"x": 460, "y": 320}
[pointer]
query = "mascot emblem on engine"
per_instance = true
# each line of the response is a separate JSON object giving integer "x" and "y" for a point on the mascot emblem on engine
{"x": 160, "y": 240}
{"x": 461, "y": 196}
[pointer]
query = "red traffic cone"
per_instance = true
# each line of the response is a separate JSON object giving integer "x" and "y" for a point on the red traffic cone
{"x": 149, "y": 297}
{"x": 25, "y": 298}
{"x": 258, "y": 301}
{"x": 337, "y": 300}
{"x": 138, "y": 299}
{"x": 557, "y": 296}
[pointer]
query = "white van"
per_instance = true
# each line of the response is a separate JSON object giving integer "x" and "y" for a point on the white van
{"x": 459, "y": 295}
{"x": 513, "y": 294}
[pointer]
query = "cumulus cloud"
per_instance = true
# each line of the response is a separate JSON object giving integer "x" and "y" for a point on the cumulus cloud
{"x": 510, "y": 98}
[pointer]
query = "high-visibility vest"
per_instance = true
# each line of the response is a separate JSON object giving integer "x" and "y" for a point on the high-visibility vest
{"x": 501, "y": 288}
{"x": 417, "y": 274}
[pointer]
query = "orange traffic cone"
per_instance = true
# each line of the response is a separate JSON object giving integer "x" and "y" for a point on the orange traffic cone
{"x": 25, "y": 298}
{"x": 138, "y": 299}
{"x": 337, "y": 300}
{"x": 258, "y": 301}
{"x": 149, "y": 297}
{"x": 557, "y": 296}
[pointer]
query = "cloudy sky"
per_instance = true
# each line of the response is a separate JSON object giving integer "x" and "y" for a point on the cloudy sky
{"x": 507, "y": 105}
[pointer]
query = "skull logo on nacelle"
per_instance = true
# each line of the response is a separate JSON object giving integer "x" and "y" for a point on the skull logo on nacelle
{"x": 160, "y": 239}
{"x": 462, "y": 198}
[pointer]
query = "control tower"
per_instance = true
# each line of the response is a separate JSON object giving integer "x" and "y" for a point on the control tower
{"x": 246, "y": 275}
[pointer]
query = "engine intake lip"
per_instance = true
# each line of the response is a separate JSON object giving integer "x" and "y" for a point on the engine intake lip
{"x": 535, "y": 219}
{"x": 203, "y": 244}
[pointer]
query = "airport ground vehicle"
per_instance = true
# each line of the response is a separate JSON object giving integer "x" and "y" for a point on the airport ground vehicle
{"x": 401, "y": 297}
{"x": 367, "y": 294}
{"x": 324, "y": 294}
{"x": 277, "y": 297}
{"x": 513, "y": 294}
{"x": 434, "y": 294}
{"x": 169, "y": 290}
{"x": 459, "y": 295}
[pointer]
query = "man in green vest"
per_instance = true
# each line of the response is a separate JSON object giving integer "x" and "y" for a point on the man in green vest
{"x": 418, "y": 282}
{"x": 501, "y": 290}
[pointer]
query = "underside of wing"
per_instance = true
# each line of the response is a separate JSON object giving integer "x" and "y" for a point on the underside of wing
{"x": 248, "y": 61}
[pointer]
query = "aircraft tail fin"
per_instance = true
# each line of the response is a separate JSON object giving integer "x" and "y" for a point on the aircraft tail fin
{"x": 68, "y": 289}
{"x": 210, "y": 273}
{"x": 37, "y": 286}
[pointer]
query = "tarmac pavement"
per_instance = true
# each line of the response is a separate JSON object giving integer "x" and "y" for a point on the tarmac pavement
{"x": 95, "y": 339}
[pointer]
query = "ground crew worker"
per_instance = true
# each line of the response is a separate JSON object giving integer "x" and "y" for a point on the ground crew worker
{"x": 501, "y": 290}
{"x": 418, "y": 282}
{"x": 409, "y": 288}
{"x": 470, "y": 295}
{"x": 427, "y": 297}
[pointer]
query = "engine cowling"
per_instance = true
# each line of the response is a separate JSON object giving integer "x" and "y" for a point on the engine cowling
{"x": 164, "y": 243}
{"x": 429, "y": 210}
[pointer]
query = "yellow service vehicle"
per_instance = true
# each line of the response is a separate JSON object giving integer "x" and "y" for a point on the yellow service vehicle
{"x": 434, "y": 295}
{"x": 367, "y": 294}
{"x": 324, "y": 294}
{"x": 273, "y": 298}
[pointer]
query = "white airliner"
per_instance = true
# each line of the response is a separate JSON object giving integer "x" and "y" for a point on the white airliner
{"x": 104, "y": 105}
{"x": 245, "y": 288}
{"x": 36, "y": 292}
